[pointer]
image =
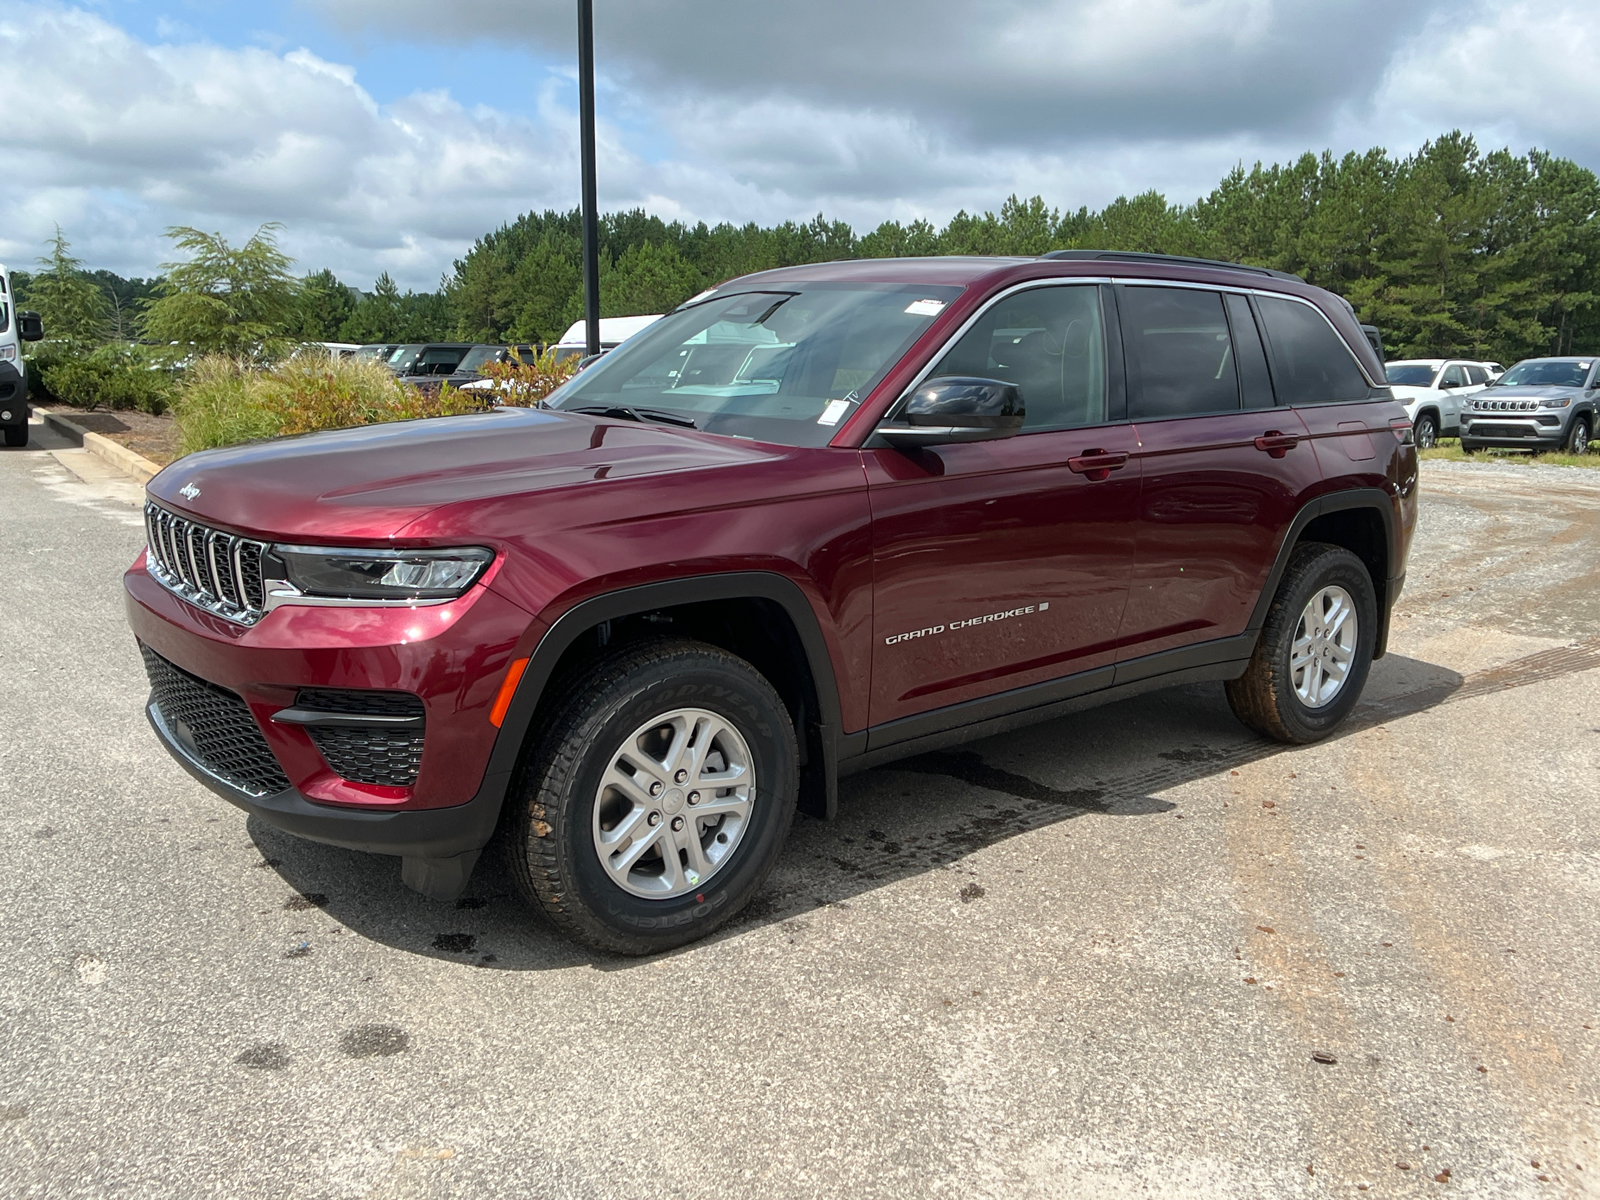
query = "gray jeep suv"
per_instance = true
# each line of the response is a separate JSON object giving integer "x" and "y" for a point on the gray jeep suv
{"x": 1539, "y": 404}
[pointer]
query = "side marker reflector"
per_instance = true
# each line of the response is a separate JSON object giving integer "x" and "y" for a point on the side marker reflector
{"x": 508, "y": 689}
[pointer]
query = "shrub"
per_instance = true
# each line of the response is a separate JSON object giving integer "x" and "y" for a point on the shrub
{"x": 225, "y": 401}
{"x": 115, "y": 375}
{"x": 526, "y": 383}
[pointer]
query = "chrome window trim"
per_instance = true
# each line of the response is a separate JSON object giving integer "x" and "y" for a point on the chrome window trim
{"x": 949, "y": 342}
{"x": 1141, "y": 281}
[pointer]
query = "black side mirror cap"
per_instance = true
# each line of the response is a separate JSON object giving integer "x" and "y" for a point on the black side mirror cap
{"x": 30, "y": 327}
{"x": 957, "y": 408}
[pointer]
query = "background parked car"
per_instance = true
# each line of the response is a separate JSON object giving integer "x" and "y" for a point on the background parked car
{"x": 1431, "y": 389}
{"x": 470, "y": 368}
{"x": 375, "y": 352}
{"x": 431, "y": 360}
{"x": 613, "y": 332}
{"x": 1539, "y": 404}
{"x": 15, "y": 328}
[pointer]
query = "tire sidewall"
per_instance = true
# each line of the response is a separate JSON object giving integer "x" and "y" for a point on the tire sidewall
{"x": 1332, "y": 568}
{"x": 1579, "y": 422}
{"x": 765, "y": 730}
{"x": 1427, "y": 422}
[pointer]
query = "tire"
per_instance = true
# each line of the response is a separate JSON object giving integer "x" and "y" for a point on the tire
{"x": 1577, "y": 441}
{"x": 1266, "y": 697}
{"x": 1468, "y": 447}
{"x": 16, "y": 435}
{"x": 577, "y": 789}
{"x": 1426, "y": 431}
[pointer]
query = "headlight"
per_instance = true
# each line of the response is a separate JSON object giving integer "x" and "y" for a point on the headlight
{"x": 381, "y": 574}
{"x": 1560, "y": 403}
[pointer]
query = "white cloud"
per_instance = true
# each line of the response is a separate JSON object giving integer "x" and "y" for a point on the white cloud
{"x": 862, "y": 111}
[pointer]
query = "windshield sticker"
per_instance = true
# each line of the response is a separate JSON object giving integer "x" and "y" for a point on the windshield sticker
{"x": 925, "y": 308}
{"x": 834, "y": 412}
{"x": 969, "y": 623}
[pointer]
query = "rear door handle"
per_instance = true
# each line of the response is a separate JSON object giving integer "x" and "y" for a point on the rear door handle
{"x": 1277, "y": 444}
{"x": 1097, "y": 464}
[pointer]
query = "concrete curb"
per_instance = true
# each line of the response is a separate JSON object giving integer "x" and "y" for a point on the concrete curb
{"x": 119, "y": 456}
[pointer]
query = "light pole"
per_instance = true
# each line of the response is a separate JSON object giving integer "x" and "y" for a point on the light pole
{"x": 591, "y": 218}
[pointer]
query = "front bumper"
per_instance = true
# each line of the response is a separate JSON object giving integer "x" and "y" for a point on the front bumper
{"x": 453, "y": 657}
{"x": 1513, "y": 432}
{"x": 14, "y": 408}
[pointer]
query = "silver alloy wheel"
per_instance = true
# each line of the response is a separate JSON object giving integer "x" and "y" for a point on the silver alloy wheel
{"x": 1324, "y": 647}
{"x": 673, "y": 804}
{"x": 1580, "y": 437}
{"x": 1427, "y": 434}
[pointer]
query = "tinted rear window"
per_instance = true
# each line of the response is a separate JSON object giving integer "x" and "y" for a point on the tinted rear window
{"x": 1180, "y": 354}
{"x": 1310, "y": 362}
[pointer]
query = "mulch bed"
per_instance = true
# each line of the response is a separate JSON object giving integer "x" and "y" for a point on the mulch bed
{"x": 154, "y": 437}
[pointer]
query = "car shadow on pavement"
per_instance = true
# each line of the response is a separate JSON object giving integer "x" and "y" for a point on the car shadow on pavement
{"x": 910, "y": 817}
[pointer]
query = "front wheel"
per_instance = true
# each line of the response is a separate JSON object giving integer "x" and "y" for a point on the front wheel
{"x": 16, "y": 435}
{"x": 1426, "y": 432}
{"x": 1315, "y": 649}
{"x": 1578, "y": 436}
{"x": 1468, "y": 447}
{"x": 658, "y": 800}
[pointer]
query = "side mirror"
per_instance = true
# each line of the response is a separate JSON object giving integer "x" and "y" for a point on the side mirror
{"x": 30, "y": 327}
{"x": 1446, "y": 384}
{"x": 956, "y": 408}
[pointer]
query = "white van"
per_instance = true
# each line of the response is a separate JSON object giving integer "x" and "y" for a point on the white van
{"x": 613, "y": 332}
{"x": 15, "y": 328}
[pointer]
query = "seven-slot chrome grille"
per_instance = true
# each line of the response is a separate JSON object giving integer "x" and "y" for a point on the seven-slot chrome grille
{"x": 210, "y": 569}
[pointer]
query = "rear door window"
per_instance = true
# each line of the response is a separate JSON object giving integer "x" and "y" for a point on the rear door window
{"x": 1310, "y": 362}
{"x": 1179, "y": 352}
{"x": 1050, "y": 342}
{"x": 1255, "y": 384}
{"x": 1476, "y": 375}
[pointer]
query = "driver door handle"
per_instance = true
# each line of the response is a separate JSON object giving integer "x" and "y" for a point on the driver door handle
{"x": 1097, "y": 464}
{"x": 1277, "y": 444}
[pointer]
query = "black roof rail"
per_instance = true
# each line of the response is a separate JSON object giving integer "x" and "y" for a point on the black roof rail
{"x": 1176, "y": 259}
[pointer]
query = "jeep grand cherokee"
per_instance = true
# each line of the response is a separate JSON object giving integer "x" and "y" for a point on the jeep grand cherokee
{"x": 819, "y": 519}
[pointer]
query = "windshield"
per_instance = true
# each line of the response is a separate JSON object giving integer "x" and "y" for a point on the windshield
{"x": 476, "y": 357}
{"x": 1410, "y": 376}
{"x": 1546, "y": 372}
{"x": 403, "y": 357}
{"x": 372, "y": 353}
{"x": 784, "y": 367}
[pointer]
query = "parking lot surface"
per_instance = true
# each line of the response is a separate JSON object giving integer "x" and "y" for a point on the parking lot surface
{"x": 1133, "y": 952}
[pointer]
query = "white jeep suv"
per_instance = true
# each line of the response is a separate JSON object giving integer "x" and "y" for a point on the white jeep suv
{"x": 1431, "y": 389}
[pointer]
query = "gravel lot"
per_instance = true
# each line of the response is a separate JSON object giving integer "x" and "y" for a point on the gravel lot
{"x": 1098, "y": 958}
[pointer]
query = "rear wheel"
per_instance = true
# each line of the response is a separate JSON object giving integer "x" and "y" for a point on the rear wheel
{"x": 1578, "y": 436}
{"x": 1426, "y": 431}
{"x": 658, "y": 800}
{"x": 1315, "y": 649}
{"x": 16, "y": 435}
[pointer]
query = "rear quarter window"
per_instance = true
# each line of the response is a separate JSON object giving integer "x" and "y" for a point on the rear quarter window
{"x": 1310, "y": 362}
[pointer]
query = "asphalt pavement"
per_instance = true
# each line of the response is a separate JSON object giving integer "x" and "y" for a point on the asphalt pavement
{"x": 1135, "y": 952}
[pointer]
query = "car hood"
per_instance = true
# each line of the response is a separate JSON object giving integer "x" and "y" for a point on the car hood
{"x": 1544, "y": 392}
{"x": 370, "y": 483}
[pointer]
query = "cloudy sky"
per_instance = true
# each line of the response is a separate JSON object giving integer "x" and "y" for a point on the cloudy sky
{"x": 387, "y": 134}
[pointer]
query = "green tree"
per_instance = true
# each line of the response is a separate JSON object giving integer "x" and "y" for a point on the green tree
{"x": 225, "y": 300}
{"x": 647, "y": 279}
{"x": 377, "y": 317}
{"x": 321, "y": 308}
{"x": 73, "y": 308}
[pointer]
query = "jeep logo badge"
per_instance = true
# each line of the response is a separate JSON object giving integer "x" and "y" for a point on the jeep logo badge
{"x": 189, "y": 491}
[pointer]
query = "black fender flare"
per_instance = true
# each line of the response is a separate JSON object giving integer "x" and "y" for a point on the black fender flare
{"x": 506, "y": 757}
{"x": 1342, "y": 501}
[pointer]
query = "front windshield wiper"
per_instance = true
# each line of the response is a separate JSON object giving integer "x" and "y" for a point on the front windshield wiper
{"x": 635, "y": 414}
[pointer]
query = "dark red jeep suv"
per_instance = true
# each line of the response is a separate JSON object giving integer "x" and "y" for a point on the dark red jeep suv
{"x": 815, "y": 520}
